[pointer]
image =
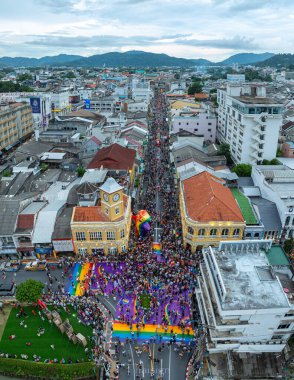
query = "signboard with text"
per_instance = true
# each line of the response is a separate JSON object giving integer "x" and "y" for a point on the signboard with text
{"x": 36, "y": 105}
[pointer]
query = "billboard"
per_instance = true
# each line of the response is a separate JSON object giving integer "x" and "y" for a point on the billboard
{"x": 36, "y": 105}
{"x": 87, "y": 104}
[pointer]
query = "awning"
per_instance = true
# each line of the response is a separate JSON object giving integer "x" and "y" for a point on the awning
{"x": 8, "y": 251}
{"x": 25, "y": 249}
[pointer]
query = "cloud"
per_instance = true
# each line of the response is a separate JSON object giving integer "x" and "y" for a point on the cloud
{"x": 236, "y": 43}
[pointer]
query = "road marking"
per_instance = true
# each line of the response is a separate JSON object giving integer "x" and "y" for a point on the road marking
{"x": 110, "y": 304}
{"x": 134, "y": 370}
{"x": 169, "y": 362}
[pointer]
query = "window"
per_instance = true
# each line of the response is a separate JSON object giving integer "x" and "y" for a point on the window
{"x": 225, "y": 232}
{"x": 195, "y": 129}
{"x": 110, "y": 235}
{"x": 123, "y": 248}
{"x": 97, "y": 235}
{"x": 236, "y": 232}
{"x": 80, "y": 236}
{"x": 82, "y": 251}
{"x": 179, "y": 123}
{"x": 209, "y": 129}
{"x": 201, "y": 232}
{"x": 209, "y": 123}
{"x": 116, "y": 210}
{"x": 287, "y": 221}
{"x": 106, "y": 210}
{"x": 277, "y": 337}
{"x": 122, "y": 234}
{"x": 283, "y": 327}
{"x": 213, "y": 232}
{"x": 190, "y": 230}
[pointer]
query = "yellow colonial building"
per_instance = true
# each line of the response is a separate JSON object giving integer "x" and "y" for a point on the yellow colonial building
{"x": 102, "y": 222}
{"x": 209, "y": 212}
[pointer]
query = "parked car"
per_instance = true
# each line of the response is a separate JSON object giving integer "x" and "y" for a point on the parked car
{"x": 36, "y": 265}
{"x": 7, "y": 289}
{"x": 10, "y": 266}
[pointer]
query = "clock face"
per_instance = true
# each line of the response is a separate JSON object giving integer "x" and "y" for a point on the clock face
{"x": 105, "y": 196}
{"x": 116, "y": 197}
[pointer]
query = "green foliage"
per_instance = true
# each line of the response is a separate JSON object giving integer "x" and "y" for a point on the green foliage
{"x": 70, "y": 75}
{"x": 23, "y": 77}
{"x": 274, "y": 161}
{"x": 242, "y": 170}
{"x": 194, "y": 88}
{"x": 224, "y": 150}
{"x": 26, "y": 369}
{"x": 7, "y": 173}
{"x": 177, "y": 76}
{"x": 279, "y": 153}
{"x": 81, "y": 171}
{"x": 213, "y": 91}
{"x": 289, "y": 246}
{"x": 14, "y": 87}
{"x": 44, "y": 167}
{"x": 29, "y": 291}
{"x": 252, "y": 75}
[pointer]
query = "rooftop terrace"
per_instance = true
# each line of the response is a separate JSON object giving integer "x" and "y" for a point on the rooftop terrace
{"x": 245, "y": 207}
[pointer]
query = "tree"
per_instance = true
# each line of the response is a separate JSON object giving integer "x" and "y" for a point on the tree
{"x": 177, "y": 76}
{"x": 242, "y": 170}
{"x": 7, "y": 173}
{"x": 23, "y": 77}
{"x": 279, "y": 153}
{"x": 194, "y": 88}
{"x": 81, "y": 171}
{"x": 289, "y": 246}
{"x": 29, "y": 291}
{"x": 225, "y": 150}
{"x": 70, "y": 75}
{"x": 274, "y": 161}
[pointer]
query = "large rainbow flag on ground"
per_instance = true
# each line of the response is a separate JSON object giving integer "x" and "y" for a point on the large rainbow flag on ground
{"x": 79, "y": 281}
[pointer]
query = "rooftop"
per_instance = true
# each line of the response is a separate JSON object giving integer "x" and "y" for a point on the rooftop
{"x": 62, "y": 229}
{"x": 114, "y": 157}
{"x": 110, "y": 186}
{"x": 277, "y": 256}
{"x": 268, "y": 212}
{"x": 94, "y": 176}
{"x": 207, "y": 199}
{"x": 256, "y": 100}
{"x": 245, "y": 206}
{"x": 249, "y": 281}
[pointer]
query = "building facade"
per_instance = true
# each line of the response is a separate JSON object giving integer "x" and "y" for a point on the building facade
{"x": 241, "y": 299}
{"x": 249, "y": 122}
{"x": 105, "y": 227}
{"x": 209, "y": 212}
{"x": 16, "y": 124}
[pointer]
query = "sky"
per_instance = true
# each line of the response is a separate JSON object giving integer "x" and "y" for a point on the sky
{"x": 211, "y": 29}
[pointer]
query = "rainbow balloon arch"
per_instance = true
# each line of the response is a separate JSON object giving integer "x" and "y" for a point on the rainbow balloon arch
{"x": 163, "y": 321}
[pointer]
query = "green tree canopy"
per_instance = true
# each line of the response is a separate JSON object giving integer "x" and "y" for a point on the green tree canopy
{"x": 23, "y": 77}
{"x": 13, "y": 87}
{"x": 29, "y": 291}
{"x": 194, "y": 88}
{"x": 224, "y": 150}
{"x": 242, "y": 170}
{"x": 81, "y": 171}
{"x": 289, "y": 246}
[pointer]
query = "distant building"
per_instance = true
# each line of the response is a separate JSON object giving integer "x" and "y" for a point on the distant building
{"x": 16, "y": 125}
{"x": 236, "y": 78}
{"x": 209, "y": 212}
{"x": 103, "y": 227}
{"x": 249, "y": 122}
{"x": 288, "y": 149}
{"x": 243, "y": 299}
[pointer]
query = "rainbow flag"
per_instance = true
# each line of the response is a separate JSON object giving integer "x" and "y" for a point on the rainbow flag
{"x": 157, "y": 248}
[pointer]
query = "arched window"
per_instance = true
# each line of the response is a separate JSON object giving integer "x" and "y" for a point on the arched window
{"x": 287, "y": 221}
{"x": 256, "y": 235}
{"x": 236, "y": 232}
{"x": 213, "y": 232}
{"x": 248, "y": 235}
{"x": 225, "y": 232}
{"x": 190, "y": 230}
{"x": 201, "y": 232}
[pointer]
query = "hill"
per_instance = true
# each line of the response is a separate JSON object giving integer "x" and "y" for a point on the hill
{"x": 246, "y": 58}
{"x": 279, "y": 60}
{"x": 35, "y": 62}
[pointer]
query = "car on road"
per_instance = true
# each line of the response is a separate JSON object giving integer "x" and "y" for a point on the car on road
{"x": 36, "y": 265}
{"x": 7, "y": 289}
{"x": 10, "y": 266}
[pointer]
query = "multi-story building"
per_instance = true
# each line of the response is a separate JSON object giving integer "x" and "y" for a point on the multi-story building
{"x": 16, "y": 124}
{"x": 249, "y": 122}
{"x": 209, "y": 212}
{"x": 276, "y": 184}
{"x": 201, "y": 124}
{"x": 242, "y": 300}
{"x": 141, "y": 90}
{"x": 101, "y": 224}
{"x": 60, "y": 103}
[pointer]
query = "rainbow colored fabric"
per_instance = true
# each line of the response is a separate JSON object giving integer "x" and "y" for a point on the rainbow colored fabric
{"x": 157, "y": 248}
{"x": 79, "y": 281}
{"x": 140, "y": 219}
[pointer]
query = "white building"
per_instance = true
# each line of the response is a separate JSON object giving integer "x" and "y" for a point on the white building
{"x": 249, "y": 122}
{"x": 60, "y": 103}
{"x": 276, "y": 184}
{"x": 201, "y": 124}
{"x": 141, "y": 90}
{"x": 241, "y": 299}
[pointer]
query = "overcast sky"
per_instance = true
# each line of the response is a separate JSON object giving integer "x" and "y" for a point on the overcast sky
{"x": 211, "y": 29}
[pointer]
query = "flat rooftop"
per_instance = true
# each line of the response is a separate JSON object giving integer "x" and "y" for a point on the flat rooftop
{"x": 249, "y": 281}
{"x": 257, "y": 100}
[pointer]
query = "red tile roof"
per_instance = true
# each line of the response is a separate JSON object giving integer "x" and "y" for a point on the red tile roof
{"x": 114, "y": 157}
{"x": 207, "y": 199}
{"x": 287, "y": 125}
{"x": 25, "y": 221}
